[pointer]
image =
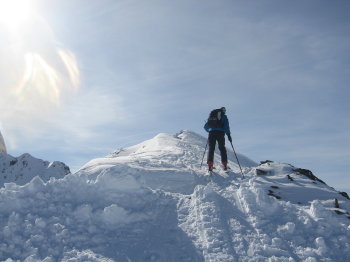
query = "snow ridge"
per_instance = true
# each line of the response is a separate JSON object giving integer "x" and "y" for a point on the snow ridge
{"x": 24, "y": 168}
{"x": 153, "y": 202}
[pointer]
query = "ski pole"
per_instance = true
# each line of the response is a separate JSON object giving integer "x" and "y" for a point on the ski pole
{"x": 204, "y": 153}
{"x": 237, "y": 159}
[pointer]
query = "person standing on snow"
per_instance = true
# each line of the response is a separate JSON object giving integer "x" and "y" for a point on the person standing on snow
{"x": 217, "y": 126}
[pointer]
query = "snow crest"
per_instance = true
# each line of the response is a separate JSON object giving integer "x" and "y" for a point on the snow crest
{"x": 153, "y": 202}
{"x": 22, "y": 169}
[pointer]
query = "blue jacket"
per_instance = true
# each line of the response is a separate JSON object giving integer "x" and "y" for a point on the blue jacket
{"x": 225, "y": 128}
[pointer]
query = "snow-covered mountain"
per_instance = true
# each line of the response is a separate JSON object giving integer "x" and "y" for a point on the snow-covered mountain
{"x": 153, "y": 202}
{"x": 24, "y": 168}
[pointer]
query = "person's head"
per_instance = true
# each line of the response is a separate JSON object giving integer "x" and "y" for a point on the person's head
{"x": 223, "y": 109}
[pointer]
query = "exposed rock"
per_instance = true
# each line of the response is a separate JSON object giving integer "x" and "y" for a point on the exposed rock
{"x": 290, "y": 178}
{"x": 261, "y": 172}
{"x": 308, "y": 174}
{"x": 265, "y": 162}
{"x": 271, "y": 193}
{"x": 336, "y": 203}
{"x": 344, "y": 194}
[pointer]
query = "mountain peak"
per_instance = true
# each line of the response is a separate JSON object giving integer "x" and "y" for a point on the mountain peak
{"x": 22, "y": 169}
{"x": 166, "y": 157}
{"x": 154, "y": 202}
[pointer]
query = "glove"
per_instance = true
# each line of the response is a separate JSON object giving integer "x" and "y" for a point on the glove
{"x": 229, "y": 138}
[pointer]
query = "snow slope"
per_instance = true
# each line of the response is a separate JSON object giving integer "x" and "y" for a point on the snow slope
{"x": 24, "y": 168}
{"x": 153, "y": 202}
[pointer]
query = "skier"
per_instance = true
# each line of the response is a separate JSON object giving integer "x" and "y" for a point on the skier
{"x": 217, "y": 126}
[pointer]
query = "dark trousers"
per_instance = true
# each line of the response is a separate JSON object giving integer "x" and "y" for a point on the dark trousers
{"x": 218, "y": 136}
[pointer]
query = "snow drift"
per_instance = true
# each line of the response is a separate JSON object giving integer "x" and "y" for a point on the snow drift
{"x": 153, "y": 202}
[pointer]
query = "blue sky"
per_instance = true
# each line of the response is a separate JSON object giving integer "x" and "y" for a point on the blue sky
{"x": 100, "y": 75}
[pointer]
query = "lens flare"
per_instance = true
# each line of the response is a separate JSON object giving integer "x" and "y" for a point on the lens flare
{"x": 38, "y": 74}
{"x": 71, "y": 65}
{"x": 42, "y": 79}
{"x": 48, "y": 70}
{"x": 2, "y": 144}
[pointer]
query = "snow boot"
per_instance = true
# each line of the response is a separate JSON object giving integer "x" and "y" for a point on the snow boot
{"x": 210, "y": 166}
{"x": 224, "y": 165}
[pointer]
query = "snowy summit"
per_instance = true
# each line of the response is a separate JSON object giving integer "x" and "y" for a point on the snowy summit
{"x": 24, "y": 168}
{"x": 154, "y": 202}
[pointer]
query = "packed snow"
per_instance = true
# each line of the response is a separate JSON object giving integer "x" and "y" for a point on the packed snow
{"x": 154, "y": 202}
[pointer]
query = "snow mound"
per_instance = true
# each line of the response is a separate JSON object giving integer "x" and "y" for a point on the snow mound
{"x": 22, "y": 169}
{"x": 167, "y": 162}
{"x": 154, "y": 202}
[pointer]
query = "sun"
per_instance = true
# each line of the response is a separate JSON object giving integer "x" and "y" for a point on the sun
{"x": 15, "y": 12}
{"x": 45, "y": 71}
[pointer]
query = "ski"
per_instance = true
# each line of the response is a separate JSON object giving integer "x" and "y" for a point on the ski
{"x": 217, "y": 173}
{"x": 223, "y": 173}
{"x": 213, "y": 171}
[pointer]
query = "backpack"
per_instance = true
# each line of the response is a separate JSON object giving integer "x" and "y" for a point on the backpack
{"x": 214, "y": 119}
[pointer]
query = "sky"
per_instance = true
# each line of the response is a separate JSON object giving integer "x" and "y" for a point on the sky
{"x": 80, "y": 79}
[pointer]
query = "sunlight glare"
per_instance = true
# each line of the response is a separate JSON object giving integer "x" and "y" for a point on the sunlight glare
{"x": 43, "y": 71}
{"x": 44, "y": 80}
{"x": 71, "y": 66}
{"x": 40, "y": 75}
{"x": 15, "y": 12}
